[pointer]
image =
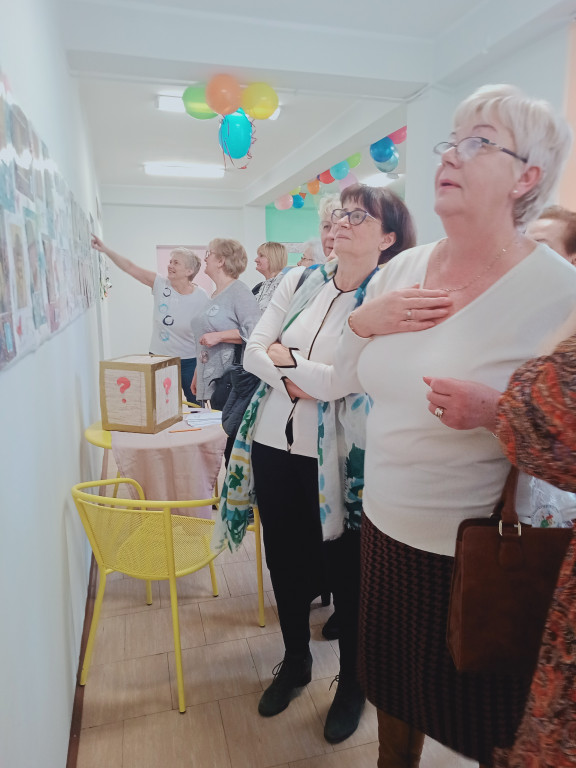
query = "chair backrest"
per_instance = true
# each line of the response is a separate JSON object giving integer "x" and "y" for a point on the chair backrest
{"x": 140, "y": 537}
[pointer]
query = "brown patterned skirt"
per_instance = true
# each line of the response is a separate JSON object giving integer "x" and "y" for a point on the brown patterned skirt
{"x": 405, "y": 665}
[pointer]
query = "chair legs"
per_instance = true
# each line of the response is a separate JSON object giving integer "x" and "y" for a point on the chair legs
{"x": 93, "y": 627}
{"x": 261, "y": 619}
{"x": 177, "y": 645}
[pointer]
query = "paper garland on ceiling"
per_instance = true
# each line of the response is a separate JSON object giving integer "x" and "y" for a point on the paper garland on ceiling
{"x": 383, "y": 153}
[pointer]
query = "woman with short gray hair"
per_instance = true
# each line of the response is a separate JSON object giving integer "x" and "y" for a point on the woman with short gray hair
{"x": 177, "y": 299}
{"x": 507, "y": 294}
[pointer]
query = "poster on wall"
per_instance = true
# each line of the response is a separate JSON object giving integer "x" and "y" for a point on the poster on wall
{"x": 49, "y": 274}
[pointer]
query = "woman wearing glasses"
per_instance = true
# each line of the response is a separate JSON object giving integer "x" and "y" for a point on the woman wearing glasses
{"x": 312, "y": 254}
{"x": 305, "y": 453}
{"x": 423, "y": 478}
{"x": 176, "y": 300}
{"x": 228, "y": 318}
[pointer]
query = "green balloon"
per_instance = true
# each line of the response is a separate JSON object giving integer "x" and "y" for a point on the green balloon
{"x": 354, "y": 160}
{"x": 194, "y": 98}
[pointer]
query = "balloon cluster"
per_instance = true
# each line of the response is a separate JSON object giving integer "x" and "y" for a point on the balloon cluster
{"x": 223, "y": 95}
{"x": 384, "y": 152}
{"x": 340, "y": 172}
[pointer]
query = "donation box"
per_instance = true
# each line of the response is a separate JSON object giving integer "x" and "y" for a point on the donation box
{"x": 140, "y": 393}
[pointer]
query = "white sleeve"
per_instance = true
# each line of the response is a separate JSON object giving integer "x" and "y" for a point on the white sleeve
{"x": 329, "y": 382}
{"x": 268, "y": 330}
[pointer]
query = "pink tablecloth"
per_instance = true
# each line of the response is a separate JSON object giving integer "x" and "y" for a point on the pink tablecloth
{"x": 172, "y": 465}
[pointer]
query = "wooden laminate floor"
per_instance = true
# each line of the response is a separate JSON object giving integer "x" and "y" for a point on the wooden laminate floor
{"x": 130, "y": 716}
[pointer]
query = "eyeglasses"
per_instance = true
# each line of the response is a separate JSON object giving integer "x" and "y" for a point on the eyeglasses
{"x": 208, "y": 254}
{"x": 354, "y": 217}
{"x": 305, "y": 258}
{"x": 469, "y": 147}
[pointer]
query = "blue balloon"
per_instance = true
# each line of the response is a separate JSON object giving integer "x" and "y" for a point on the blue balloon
{"x": 297, "y": 201}
{"x": 340, "y": 170}
{"x": 382, "y": 150}
{"x": 235, "y": 134}
{"x": 389, "y": 165}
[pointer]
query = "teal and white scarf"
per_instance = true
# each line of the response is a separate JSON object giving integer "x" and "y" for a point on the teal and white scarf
{"x": 341, "y": 444}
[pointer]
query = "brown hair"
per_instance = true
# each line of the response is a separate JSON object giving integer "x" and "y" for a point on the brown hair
{"x": 388, "y": 208}
{"x": 557, "y": 213}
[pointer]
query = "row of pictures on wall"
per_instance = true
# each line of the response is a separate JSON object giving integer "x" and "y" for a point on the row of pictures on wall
{"x": 49, "y": 274}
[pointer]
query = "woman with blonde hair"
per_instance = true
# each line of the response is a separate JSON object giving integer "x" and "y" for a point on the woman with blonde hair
{"x": 270, "y": 260}
{"x": 228, "y": 317}
{"x": 496, "y": 172}
{"x": 177, "y": 299}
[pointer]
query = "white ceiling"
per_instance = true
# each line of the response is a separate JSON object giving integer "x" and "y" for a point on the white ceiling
{"x": 343, "y": 72}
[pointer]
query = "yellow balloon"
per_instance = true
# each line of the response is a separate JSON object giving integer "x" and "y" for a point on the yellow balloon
{"x": 259, "y": 100}
{"x": 295, "y": 191}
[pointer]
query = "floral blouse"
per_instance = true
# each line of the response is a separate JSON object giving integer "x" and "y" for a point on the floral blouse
{"x": 547, "y": 734}
{"x": 537, "y": 417}
{"x": 537, "y": 430}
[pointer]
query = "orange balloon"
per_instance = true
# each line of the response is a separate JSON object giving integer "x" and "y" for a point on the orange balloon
{"x": 313, "y": 187}
{"x": 223, "y": 94}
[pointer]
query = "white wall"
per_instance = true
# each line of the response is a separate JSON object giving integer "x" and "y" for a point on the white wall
{"x": 538, "y": 69}
{"x": 135, "y": 231}
{"x": 46, "y": 401}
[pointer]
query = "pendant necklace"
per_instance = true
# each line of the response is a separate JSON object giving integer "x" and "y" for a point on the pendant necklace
{"x": 486, "y": 269}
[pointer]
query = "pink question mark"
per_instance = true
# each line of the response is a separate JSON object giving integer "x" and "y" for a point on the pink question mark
{"x": 123, "y": 383}
{"x": 167, "y": 384}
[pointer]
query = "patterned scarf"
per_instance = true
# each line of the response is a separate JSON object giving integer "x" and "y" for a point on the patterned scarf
{"x": 341, "y": 444}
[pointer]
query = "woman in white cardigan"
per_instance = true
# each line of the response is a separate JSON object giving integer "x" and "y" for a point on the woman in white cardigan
{"x": 306, "y": 454}
{"x": 423, "y": 478}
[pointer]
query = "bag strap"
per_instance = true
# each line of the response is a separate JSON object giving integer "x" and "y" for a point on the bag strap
{"x": 505, "y": 508}
{"x": 238, "y": 350}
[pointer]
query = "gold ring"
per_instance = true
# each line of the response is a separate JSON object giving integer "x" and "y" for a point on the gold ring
{"x": 439, "y": 412}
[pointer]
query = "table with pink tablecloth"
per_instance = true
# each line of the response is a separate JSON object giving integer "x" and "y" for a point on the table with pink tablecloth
{"x": 177, "y": 465}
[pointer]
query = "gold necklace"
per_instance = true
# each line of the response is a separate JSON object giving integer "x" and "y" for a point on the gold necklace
{"x": 486, "y": 269}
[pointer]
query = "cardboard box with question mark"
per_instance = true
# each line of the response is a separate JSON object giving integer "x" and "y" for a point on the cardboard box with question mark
{"x": 140, "y": 393}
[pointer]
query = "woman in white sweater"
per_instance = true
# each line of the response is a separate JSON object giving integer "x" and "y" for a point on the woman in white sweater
{"x": 305, "y": 455}
{"x": 422, "y": 478}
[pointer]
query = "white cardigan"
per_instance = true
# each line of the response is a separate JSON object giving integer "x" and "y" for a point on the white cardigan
{"x": 314, "y": 334}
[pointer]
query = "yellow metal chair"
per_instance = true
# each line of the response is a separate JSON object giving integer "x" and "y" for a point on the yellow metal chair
{"x": 255, "y": 528}
{"x": 144, "y": 539}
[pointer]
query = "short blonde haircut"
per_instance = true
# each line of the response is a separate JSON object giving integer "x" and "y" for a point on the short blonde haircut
{"x": 233, "y": 254}
{"x": 190, "y": 259}
{"x": 540, "y": 135}
{"x": 327, "y": 205}
{"x": 277, "y": 255}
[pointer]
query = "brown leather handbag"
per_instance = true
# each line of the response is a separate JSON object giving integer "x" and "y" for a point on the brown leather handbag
{"x": 502, "y": 585}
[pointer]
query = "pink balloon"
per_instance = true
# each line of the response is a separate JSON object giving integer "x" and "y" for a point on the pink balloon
{"x": 399, "y": 136}
{"x": 284, "y": 202}
{"x": 348, "y": 181}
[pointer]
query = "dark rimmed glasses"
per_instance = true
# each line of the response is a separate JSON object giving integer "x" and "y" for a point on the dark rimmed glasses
{"x": 354, "y": 217}
{"x": 469, "y": 147}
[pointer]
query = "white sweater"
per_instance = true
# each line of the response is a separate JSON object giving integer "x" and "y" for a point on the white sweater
{"x": 423, "y": 478}
{"x": 315, "y": 334}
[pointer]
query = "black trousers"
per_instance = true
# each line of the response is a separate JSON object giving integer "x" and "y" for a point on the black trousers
{"x": 301, "y": 564}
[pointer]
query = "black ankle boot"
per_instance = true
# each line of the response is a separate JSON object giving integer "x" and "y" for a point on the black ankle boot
{"x": 331, "y": 630}
{"x": 291, "y": 673}
{"x": 345, "y": 712}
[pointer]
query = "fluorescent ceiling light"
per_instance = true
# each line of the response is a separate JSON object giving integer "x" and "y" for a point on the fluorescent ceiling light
{"x": 168, "y": 103}
{"x": 184, "y": 170}
{"x": 275, "y": 115}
